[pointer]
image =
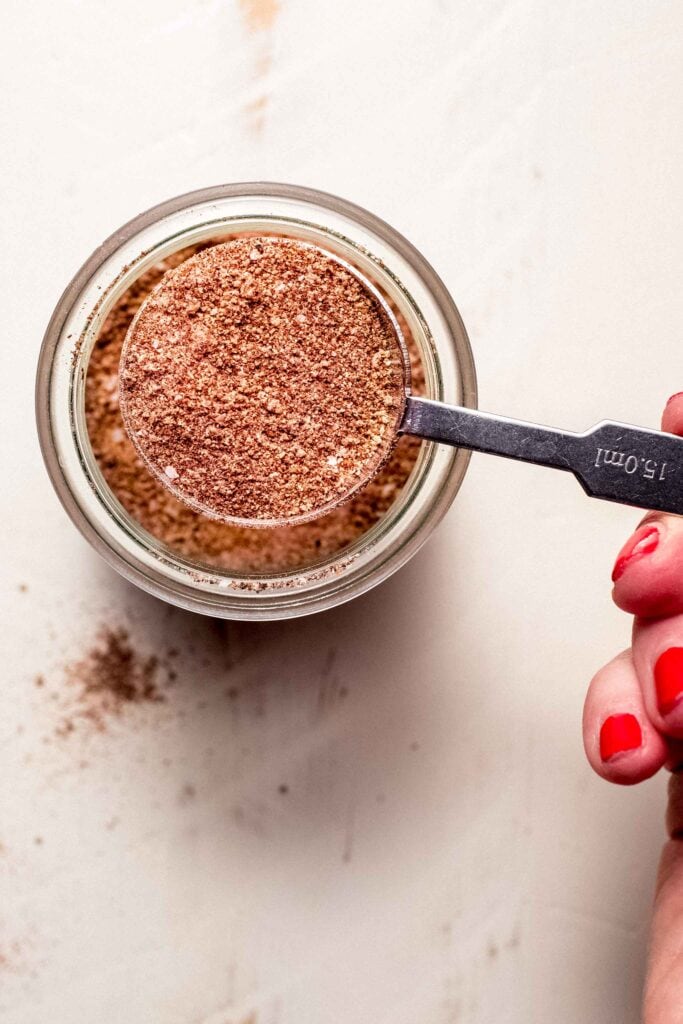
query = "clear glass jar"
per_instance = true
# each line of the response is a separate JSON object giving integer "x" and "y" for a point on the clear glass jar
{"x": 362, "y": 239}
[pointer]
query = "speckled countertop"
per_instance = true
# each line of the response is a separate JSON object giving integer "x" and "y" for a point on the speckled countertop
{"x": 381, "y": 813}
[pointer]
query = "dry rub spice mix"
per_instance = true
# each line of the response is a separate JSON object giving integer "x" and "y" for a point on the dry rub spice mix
{"x": 187, "y": 532}
{"x": 262, "y": 381}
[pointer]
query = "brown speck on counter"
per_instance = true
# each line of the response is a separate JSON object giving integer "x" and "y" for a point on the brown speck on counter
{"x": 283, "y": 788}
{"x": 12, "y": 957}
{"x": 259, "y": 15}
{"x": 187, "y": 794}
{"x": 23, "y": 588}
{"x": 39, "y": 680}
{"x": 256, "y": 112}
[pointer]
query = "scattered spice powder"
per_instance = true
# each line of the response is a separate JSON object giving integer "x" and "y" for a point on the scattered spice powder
{"x": 109, "y": 677}
{"x": 236, "y": 549}
{"x": 262, "y": 381}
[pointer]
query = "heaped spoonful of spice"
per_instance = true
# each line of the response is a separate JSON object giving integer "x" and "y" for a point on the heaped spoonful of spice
{"x": 265, "y": 380}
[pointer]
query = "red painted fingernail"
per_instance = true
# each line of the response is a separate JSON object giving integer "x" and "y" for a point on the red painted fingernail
{"x": 669, "y": 679}
{"x": 619, "y": 733}
{"x": 679, "y": 394}
{"x": 643, "y": 542}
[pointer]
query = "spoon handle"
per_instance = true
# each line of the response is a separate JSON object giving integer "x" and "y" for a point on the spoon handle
{"x": 613, "y": 461}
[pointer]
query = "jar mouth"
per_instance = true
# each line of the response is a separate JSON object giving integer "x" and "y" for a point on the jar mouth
{"x": 344, "y": 230}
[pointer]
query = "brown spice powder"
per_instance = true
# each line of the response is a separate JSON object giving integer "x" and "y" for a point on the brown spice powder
{"x": 110, "y": 676}
{"x": 188, "y": 533}
{"x": 262, "y": 381}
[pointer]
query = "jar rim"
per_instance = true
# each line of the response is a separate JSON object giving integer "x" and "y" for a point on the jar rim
{"x": 269, "y": 602}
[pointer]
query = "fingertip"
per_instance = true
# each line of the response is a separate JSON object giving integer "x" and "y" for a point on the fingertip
{"x": 658, "y": 660}
{"x": 672, "y": 418}
{"x": 631, "y": 766}
{"x": 648, "y": 573}
{"x": 649, "y": 592}
{"x": 621, "y": 743}
{"x": 644, "y": 541}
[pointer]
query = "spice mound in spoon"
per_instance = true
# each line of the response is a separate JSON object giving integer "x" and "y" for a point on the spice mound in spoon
{"x": 263, "y": 381}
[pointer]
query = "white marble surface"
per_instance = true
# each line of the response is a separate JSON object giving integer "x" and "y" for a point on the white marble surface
{"x": 443, "y": 853}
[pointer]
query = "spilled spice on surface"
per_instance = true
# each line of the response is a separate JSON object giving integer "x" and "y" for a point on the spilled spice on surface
{"x": 111, "y": 676}
{"x": 11, "y": 958}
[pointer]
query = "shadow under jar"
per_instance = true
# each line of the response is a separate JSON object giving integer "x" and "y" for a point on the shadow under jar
{"x": 138, "y": 526}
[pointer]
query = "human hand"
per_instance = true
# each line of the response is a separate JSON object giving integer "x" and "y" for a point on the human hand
{"x": 633, "y": 720}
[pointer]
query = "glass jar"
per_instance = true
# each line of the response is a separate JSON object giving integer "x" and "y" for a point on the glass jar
{"x": 379, "y": 252}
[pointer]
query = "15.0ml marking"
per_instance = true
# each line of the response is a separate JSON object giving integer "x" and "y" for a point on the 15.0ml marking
{"x": 649, "y": 469}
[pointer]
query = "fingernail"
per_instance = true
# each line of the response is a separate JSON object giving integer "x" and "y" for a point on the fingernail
{"x": 643, "y": 542}
{"x": 679, "y": 394}
{"x": 618, "y": 734}
{"x": 669, "y": 679}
